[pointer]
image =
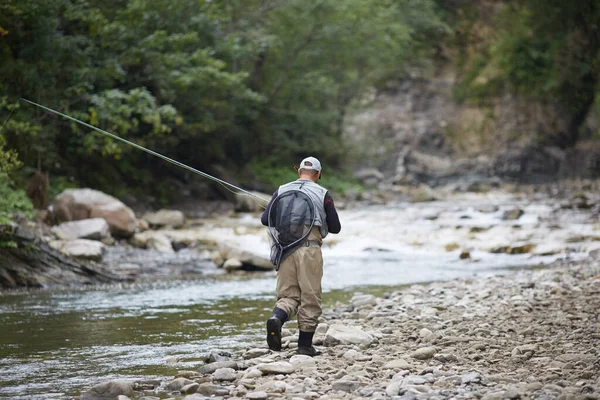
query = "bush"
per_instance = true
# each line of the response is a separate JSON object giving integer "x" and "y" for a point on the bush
{"x": 12, "y": 200}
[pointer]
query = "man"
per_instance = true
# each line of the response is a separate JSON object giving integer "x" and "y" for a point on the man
{"x": 299, "y": 276}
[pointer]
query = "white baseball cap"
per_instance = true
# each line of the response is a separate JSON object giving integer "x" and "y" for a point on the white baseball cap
{"x": 310, "y": 163}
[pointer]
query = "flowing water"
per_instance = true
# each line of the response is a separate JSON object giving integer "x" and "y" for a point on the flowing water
{"x": 54, "y": 343}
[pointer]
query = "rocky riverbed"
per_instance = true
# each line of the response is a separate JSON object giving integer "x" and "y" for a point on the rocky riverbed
{"x": 527, "y": 334}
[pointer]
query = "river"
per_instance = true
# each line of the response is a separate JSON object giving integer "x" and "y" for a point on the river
{"x": 54, "y": 343}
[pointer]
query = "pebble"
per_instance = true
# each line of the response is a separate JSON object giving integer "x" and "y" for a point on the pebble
{"x": 424, "y": 353}
{"x": 224, "y": 374}
{"x": 425, "y": 333}
{"x": 281, "y": 367}
{"x": 210, "y": 368}
{"x": 176, "y": 384}
{"x": 343, "y": 334}
{"x": 346, "y": 385}
{"x": 302, "y": 362}
{"x": 397, "y": 364}
{"x": 208, "y": 389}
{"x": 257, "y": 396}
{"x": 190, "y": 389}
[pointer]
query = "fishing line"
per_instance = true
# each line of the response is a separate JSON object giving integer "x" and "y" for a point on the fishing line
{"x": 221, "y": 182}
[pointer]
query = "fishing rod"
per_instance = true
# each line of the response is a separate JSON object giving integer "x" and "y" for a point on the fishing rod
{"x": 223, "y": 183}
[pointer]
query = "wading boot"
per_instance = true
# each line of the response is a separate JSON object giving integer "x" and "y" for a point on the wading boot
{"x": 308, "y": 351}
{"x": 305, "y": 346}
{"x": 274, "y": 325}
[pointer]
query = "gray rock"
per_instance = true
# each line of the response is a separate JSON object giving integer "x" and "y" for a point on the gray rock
{"x": 363, "y": 300}
{"x": 210, "y": 368}
{"x": 511, "y": 215}
{"x": 254, "y": 353}
{"x": 302, "y": 362}
{"x": 345, "y": 385}
{"x": 172, "y": 218}
{"x": 190, "y": 389}
{"x": 80, "y": 248}
{"x": 511, "y": 394}
{"x": 218, "y": 355}
{"x": 444, "y": 358}
{"x": 252, "y": 373}
{"x": 424, "y": 353}
{"x": 487, "y": 209}
{"x": 524, "y": 352}
{"x": 224, "y": 374}
{"x": 342, "y": 334}
{"x": 533, "y": 386}
{"x": 108, "y": 390}
{"x": 208, "y": 389}
{"x": 393, "y": 388}
{"x": 257, "y": 396}
{"x": 232, "y": 264}
{"x": 92, "y": 228}
{"x": 197, "y": 396}
{"x": 275, "y": 368}
{"x": 397, "y": 364}
{"x": 493, "y": 396}
{"x": 177, "y": 384}
{"x": 471, "y": 378}
{"x": 425, "y": 333}
{"x": 160, "y": 242}
{"x": 570, "y": 357}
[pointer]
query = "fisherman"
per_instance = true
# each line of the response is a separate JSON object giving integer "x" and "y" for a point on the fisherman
{"x": 300, "y": 273}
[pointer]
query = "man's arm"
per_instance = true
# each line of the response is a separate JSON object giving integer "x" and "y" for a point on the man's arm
{"x": 264, "y": 219}
{"x": 333, "y": 220}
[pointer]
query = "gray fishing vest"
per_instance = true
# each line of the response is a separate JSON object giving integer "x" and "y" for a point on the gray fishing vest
{"x": 317, "y": 194}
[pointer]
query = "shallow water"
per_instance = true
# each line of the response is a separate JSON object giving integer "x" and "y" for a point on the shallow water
{"x": 54, "y": 343}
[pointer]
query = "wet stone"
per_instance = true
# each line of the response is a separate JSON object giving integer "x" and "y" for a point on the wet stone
{"x": 208, "y": 389}
{"x": 212, "y": 367}
{"x": 189, "y": 389}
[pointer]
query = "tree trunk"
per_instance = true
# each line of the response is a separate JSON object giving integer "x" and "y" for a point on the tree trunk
{"x": 29, "y": 262}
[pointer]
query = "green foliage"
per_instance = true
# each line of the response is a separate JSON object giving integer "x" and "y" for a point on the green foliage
{"x": 548, "y": 50}
{"x": 11, "y": 200}
{"x": 209, "y": 83}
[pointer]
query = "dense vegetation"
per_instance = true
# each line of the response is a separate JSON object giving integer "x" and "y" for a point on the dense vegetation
{"x": 233, "y": 87}
{"x": 244, "y": 88}
{"x": 547, "y": 50}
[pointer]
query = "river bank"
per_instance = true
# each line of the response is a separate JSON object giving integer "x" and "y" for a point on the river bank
{"x": 58, "y": 342}
{"x": 525, "y": 334}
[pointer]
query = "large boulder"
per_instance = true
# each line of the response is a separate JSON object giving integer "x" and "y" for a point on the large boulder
{"x": 172, "y": 218}
{"x": 80, "y": 248}
{"x": 108, "y": 390}
{"x": 77, "y": 204}
{"x": 93, "y": 228}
